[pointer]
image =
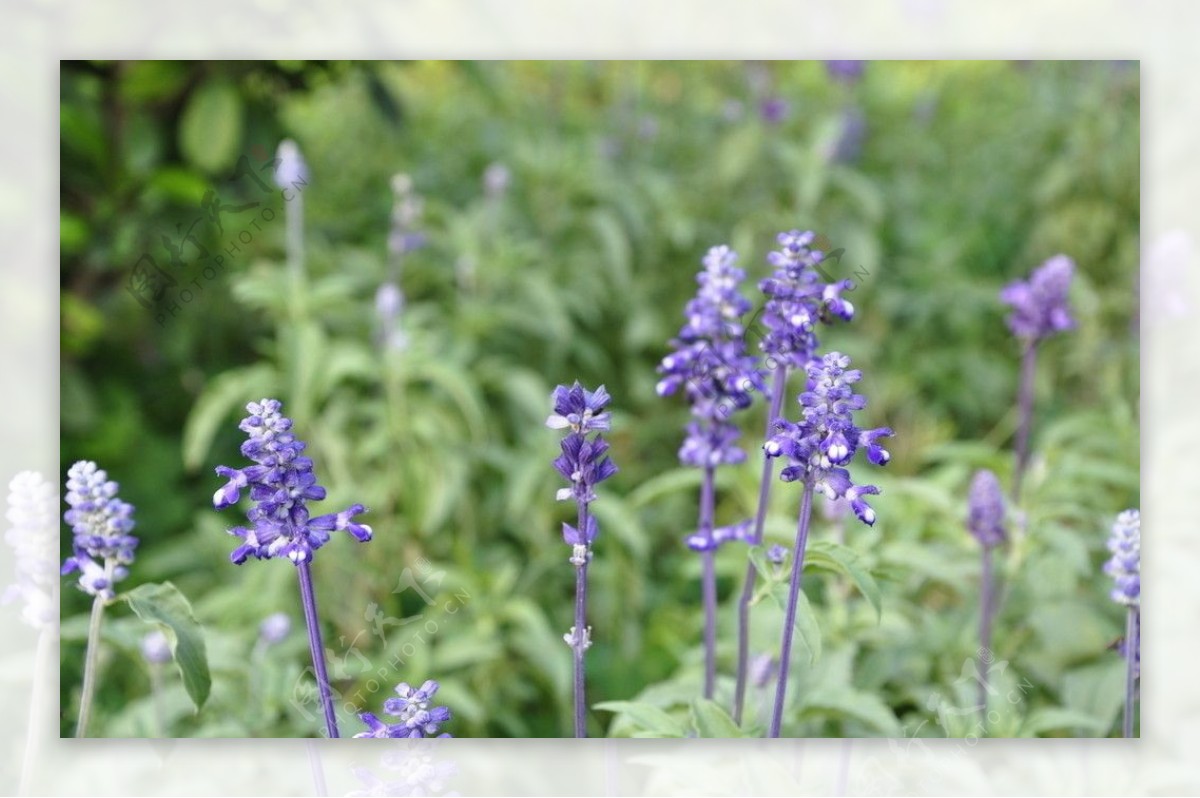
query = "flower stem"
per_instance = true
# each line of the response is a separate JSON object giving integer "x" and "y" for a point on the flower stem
{"x": 760, "y": 517}
{"x": 89, "y": 667}
{"x": 1025, "y": 415}
{"x": 987, "y": 607}
{"x": 789, "y": 628}
{"x": 709, "y": 583}
{"x": 42, "y": 668}
{"x": 580, "y": 644}
{"x": 1132, "y": 643}
{"x": 316, "y": 647}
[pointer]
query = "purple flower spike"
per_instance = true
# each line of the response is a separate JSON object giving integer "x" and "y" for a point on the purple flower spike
{"x": 102, "y": 523}
{"x": 1040, "y": 305}
{"x": 1125, "y": 565}
{"x": 415, "y": 716}
{"x": 281, "y": 484}
{"x": 985, "y": 517}
{"x": 825, "y": 439}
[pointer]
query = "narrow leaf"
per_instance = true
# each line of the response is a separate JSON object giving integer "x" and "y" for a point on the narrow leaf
{"x": 164, "y": 606}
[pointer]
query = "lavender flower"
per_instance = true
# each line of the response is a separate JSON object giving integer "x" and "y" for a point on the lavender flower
{"x": 415, "y": 716}
{"x": 845, "y": 71}
{"x": 102, "y": 523}
{"x": 818, "y": 448}
{"x": 826, "y": 439}
{"x": 584, "y": 464}
{"x": 155, "y": 648}
{"x": 496, "y": 179}
{"x": 407, "y": 209}
{"x": 1040, "y": 306}
{"x": 1125, "y": 565}
{"x": 797, "y": 298}
{"x": 274, "y": 628}
{"x": 718, "y": 375}
{"x": 774, "y": 110}
{"x": 290, "y": 168}
{"x": 985, "y": 517}
{"x": 33, "y": 534}
{"x": 281, "y": 484}
{"x": 389, "y": 307}
{"x": 777, "y": 554}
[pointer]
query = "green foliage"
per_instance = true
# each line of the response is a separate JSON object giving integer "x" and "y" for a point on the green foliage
{"x": 969, "y": 175}
{"x": 163, "y": 605}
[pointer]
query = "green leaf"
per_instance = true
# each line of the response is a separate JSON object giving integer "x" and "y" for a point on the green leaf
{"x": 646, "y": 717}
{"x": 806, "y": 620}
{"x": 1051, "y": 718}
{"x": 843, "y": 559}
{"x": 164, "y": 606}
{"x": 712, "y": 721}
{"x": 673, "y": 481}
{"x": 849, "y": 703}
{"x": 211, "y": 127}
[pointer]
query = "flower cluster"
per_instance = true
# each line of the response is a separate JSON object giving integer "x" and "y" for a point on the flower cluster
{"x": 826, "y": 438}
{"x": 281, "y": 483}
{"x": 797, "y": 298}
{"x": 583, "y": 462}
{"x": 102, "y": 523}
{"x": 1040, "y": 306}
{"x": 698, "y": 541}
{"x": 33, "y": 535}
{"x": 711, "y": 364}
{"x": 985, "y": 510}
{"x": 1125, "y": 565}
{"x": 416, "y": 718}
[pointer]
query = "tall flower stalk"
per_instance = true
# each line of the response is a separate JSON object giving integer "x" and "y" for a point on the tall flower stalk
{"x": 986, "y": 523}
{"x": 818, "y": 447}
{"x": 1040, "y": 309}
{"x": 584, "y": 464}
{"x": 281, "y": 483}
{"x": 33, "y": 535}
{"x": 102, "y": 549}
{"x": 797, "y": 298}
{"x": 1125, "y": 567}
{"x": 711, "y": 364}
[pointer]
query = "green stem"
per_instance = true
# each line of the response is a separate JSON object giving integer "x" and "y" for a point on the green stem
{"x": 89, "y": 667}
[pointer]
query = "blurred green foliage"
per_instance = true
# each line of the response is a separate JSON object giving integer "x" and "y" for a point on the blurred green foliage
{"x": 962, "y": 177}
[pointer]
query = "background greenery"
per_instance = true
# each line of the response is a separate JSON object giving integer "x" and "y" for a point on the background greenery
{"x": 941, "y": 181}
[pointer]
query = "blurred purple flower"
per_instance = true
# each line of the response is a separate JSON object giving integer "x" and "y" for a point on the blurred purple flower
{"x": 845, "y": 71}
{"x": 985, "y": 517}
{"x": 1040, "y": 305}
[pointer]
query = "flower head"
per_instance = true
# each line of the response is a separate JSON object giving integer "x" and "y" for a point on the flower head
{"x": 290, "y": 169}
{"x": 580, "y": 409}
{"x": 1040, "y": 305}
{"x": 33, "y": 534}
{"x": 102, "y": 523}
{"x": 845, "y": 71}
{"x": 583, "y": 461}
{"x": 415, "y": 715}
{"x": 825, "y": 440}
{"x": 985, "y": 516}
{"x": 798, "y": 297}
{"x": 281, "y": 483}
{"x": 407, "y": 208}
{"x": 155, "y": 648}
{"x": 274, "y": 628}
{"x": 1125, "y": 565}
{"x": 711, "y": 364}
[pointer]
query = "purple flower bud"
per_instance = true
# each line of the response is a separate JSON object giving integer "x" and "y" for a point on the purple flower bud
{"x": 155, "y": 648}
{"x": 274, "y": 628}
{"x": 1040, "y": 305}
{"x": 985, "y": 516}
{"x": 290, "y": 169}
{"x": 777, "y": 554}
{"x": 1125, "y": 565}
{"x": 415, "y": 716}
{"x": 101, "y": 523}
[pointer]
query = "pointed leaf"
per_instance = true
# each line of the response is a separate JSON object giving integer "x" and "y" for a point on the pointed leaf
{"x": 164, "y": 606}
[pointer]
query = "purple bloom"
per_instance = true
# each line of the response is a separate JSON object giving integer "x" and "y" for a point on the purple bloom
{"x": 274, "y": 628}
{"x": 407, "y": 209}
{"x": 415, "y": 716}
{"x": 290, "y": 169}
{"x": 1125, "y": 565}
{"x": 102, "y": 523}
{"x": 777, "y": 554}
{"x": 698, "y": 541}
{"x": 280, "y": 484}
{"x": 826, "y": 439}
{"x": 711, "y": 364}
{"x": 845, "y": 71}
{"x": 1040, "y": 305}
{"x": 155, "y": 648}
{"x": 798, "y": 297}
{"x": 774, "y": 110}
{"x": 496, "y": 179}
{"x": 579, "y": 409}
{"x": 852, "y": 133}
{"x": 985, "y": 516}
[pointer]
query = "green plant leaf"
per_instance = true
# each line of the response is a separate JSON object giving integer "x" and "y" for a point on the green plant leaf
{"x": 712, "y": 721}
{"x": 843, "y": 559}
{"x": 164, "y": 606}
{"x": 211, "y": 127}
{"x": 648, "y": 718}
